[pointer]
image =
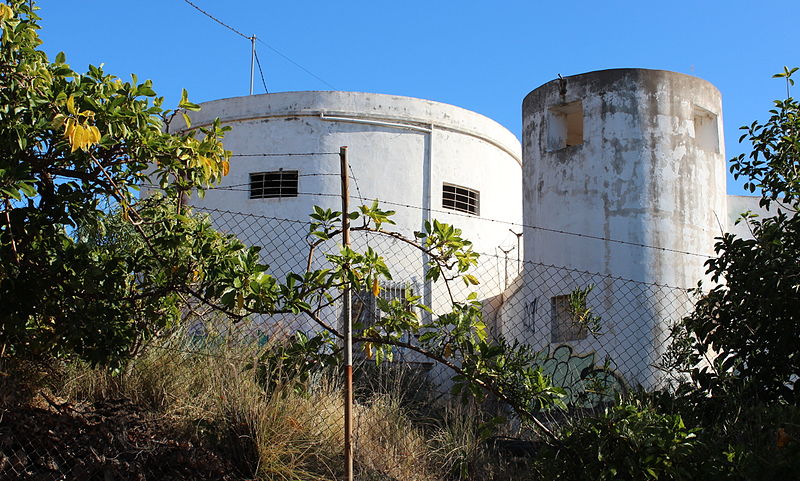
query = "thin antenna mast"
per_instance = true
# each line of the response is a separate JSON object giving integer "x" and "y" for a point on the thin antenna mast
{"x": 252, "y": 61}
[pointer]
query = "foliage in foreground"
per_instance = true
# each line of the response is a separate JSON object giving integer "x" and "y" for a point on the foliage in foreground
{"x": 70, "y": 144}
{"x": 626, "y": 442}
{"x": 79, "y": 282}
{"x": 742, "y": 336}
{"x": 210, "y": 394}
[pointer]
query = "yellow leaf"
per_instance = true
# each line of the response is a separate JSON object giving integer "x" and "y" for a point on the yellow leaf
{"x": 71, "y": 104}
{"x": 376, "y": 288}
{"x": 84, "y": 138}
{"x": 69, "y": 125}
{"x": 226, "y": 167}
{"x": 95, "y": 134}
{"x": 76, "y": 137}
{"x": 5, "y": 12}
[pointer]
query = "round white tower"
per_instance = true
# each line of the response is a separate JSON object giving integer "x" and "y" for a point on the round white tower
{"x": 423, "y": 159}
{"x": 630, "y": 155}
{"x": 623, "y": 176}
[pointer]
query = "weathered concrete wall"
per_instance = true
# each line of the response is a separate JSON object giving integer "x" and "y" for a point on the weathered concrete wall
{"x": 641, "y": 162}
{"x": 401, "y": 150}
{"x": 639, "y": 176}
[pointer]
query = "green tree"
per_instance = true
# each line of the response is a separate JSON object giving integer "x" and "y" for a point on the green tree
{"x": 69, "y": 144}
{"x": 78, "y": 279}
{"x": 746, "y": 328}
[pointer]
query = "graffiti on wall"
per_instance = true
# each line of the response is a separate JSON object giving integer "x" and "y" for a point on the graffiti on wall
{"x": 529, "y": 316}
{"x": 587, "y": 383}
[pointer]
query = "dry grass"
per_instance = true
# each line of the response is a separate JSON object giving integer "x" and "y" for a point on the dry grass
{"x": 287, "y": 434}
{"x": 387, "y": 442}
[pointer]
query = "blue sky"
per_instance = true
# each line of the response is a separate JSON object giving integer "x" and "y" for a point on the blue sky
{"x": 478, "y": 55}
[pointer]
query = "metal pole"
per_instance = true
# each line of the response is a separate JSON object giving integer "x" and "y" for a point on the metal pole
{"x": 505, "y": 253}
{"x": 252, "y": 61}
{"x": 519, "y": 254}
{"x": 347, "y": 327}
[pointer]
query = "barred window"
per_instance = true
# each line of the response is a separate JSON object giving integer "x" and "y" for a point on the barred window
{"x": 564, "y": 327}
{"x": 461, "y": 199}
{"x": 364, "y": 307}
{"x": 366, "y": 312}
{"x": 270, "y": 185}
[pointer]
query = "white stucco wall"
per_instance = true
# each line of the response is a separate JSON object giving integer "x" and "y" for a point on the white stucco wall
{"x": 648, "y": 170}
{"x": 738, "y": 205}
{"x": 401, "y": 150}
{"x": 641, "y": 175}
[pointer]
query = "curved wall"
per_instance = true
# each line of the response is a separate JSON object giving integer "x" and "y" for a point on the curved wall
{"x": 650, "y": 170}
{"x": 401, "y": 151}
{"x": 626, "y": 158}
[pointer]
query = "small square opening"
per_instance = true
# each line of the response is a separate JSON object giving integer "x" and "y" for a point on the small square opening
{"x": 564, "y": 326}
{"x": 565, "y": 126}
{"x": 706, "y": 134}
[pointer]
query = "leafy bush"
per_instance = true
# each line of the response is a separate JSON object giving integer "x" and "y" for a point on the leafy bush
{"x": 742, "y": 335}
{"x": 630, "y": 441}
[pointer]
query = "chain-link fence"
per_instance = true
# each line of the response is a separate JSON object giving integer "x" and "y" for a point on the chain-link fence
{"x": 215, "y": 399}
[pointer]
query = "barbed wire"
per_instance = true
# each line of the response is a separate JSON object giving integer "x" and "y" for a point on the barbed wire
{"x": 247, "y": 214}
{"x": 498, "y": 221}
{"x": 491, "y": 255}
{"x": 285, "y": 154}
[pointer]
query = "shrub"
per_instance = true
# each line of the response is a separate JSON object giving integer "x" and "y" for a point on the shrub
{"x": 630, "y": 441}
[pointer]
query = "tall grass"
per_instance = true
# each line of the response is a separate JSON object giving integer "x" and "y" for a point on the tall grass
{"x": 210, "y": 393}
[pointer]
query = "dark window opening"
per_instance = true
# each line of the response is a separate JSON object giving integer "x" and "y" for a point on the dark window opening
{"x": 270, "y": 185}
{"x": 565, "y": 126}
{"x": 461, "y": 199}
{"x": 564, "y": 327}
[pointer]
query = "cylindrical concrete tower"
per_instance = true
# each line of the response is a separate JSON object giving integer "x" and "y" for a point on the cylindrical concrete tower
{"x": 631, "y": 155}
{"x": 624, "y": 176}
{"x": 425, "y": 160}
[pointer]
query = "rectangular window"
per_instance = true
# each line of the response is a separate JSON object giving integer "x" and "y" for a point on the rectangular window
{"x": 563, "y": 326}
{"x": 461, "y": 199}
{"x": 565, "y": 126}
{"x": 706, "y": 135}
{"x": 364, "y": 306}
{"x": 366, "y": 312}
{"x": 270, "y": 185}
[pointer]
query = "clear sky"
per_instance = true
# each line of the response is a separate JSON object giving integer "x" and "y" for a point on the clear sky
{"x": 481, "y": 56}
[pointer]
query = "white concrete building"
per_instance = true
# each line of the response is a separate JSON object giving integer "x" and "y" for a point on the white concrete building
{"x": 621, "y": 173}
{"x": 423, "y": 159}
{"x": 633, "y": 161}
